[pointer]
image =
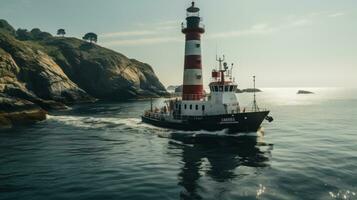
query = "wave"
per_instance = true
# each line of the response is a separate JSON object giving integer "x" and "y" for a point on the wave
{"x": 135, "y": 125}
{"x": 92, "y": 122}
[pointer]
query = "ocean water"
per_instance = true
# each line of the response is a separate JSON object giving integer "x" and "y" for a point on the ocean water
{"x": 103, "y": 151}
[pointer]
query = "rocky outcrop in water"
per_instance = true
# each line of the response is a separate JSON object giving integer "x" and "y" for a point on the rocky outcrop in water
{"x": 304, "y": 92}
{"x": 248, "y": 90}
{"x": 15, "y": 111}
{"x": 49, "y": 72}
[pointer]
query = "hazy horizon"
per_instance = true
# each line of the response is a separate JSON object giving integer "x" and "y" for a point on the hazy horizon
{"x": 284, "y": 43}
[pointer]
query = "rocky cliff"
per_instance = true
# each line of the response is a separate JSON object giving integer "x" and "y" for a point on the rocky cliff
{"x": 49, "y": 72}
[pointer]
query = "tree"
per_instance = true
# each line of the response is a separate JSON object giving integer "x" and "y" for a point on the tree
{"x": 61, "y": 32}
{"x": 91, "y": 37}
{"x": 23, "y": 34}
{"x": 37, "y": 34}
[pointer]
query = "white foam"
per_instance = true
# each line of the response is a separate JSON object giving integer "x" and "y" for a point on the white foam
{"x": 94, "y": 122}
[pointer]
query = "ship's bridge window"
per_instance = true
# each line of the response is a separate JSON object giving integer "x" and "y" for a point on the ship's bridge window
{"x": 196, "y": 107}
{"x": 191, "y": 107}
{"x": 203, "y": 108}
{"x": 221, "y": 88}
{"x": 231, "y": 88}
{"x": 185, "y": 106}
{"x": 216, "y": 88}
{"x": 226, "y": 88}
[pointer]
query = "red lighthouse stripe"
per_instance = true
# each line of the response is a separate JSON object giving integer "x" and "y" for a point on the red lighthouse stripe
{"x": 193, "y": 62}
{"x": 193, "y": 36}
{"x": 192, "y": 92}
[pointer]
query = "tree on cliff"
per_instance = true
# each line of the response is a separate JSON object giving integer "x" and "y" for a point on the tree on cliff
{"x": 91, "y": 37}
{"x": 23, "y": 34}
{"x": 61, "y": 32}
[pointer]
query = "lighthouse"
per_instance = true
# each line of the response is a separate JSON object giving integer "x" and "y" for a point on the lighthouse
{"x": 217, "y": 110}
{"x": 192, "y": 78}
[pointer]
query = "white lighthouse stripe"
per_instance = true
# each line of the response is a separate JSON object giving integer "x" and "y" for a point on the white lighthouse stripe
{"x": 192, "y": 77}
{"x": 193, "y": 47}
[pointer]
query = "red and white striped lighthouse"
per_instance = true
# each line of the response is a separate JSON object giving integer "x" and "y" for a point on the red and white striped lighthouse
{"x": 192, "y": 78}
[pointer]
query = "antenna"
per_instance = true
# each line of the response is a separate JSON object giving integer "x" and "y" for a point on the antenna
{"x": 255, "y": 106}
{"x": 231, "y": 72}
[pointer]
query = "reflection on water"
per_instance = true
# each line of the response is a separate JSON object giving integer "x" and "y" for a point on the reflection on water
{"x": 103, "y": 151}
{"x": 218, "y": 160}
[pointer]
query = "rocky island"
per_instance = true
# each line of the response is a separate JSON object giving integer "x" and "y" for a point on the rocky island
{"x": 304, "y": 92}
{"x": 248, "y": 90}
{"x": 40, "y": 73}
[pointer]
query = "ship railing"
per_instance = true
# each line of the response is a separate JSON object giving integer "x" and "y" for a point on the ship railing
{"x": 154, "y": 115}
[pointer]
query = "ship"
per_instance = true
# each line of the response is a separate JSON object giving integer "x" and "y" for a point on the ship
{"x": 197, "y": 110}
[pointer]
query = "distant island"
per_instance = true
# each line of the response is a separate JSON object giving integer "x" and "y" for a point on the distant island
{"x": 304, "y": 92}
{"x": 40, "y": 72}
{"x": 248, "y": 90}
{"x": 171, "y": 87}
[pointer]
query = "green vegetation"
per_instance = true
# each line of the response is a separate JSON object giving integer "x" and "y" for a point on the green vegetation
{"x": 61, "y": 32}
{"x": 90, "y": 37}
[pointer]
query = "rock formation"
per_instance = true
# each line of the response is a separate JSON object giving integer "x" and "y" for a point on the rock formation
{"x": 304, "y": 92}
{"x": 248, "y": 90}
{"x": 44, "y": 72}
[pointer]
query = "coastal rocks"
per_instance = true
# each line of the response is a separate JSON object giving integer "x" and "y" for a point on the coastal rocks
{"x": 14, "y": 111}
{"x": 31, "y": 68}
{"x": 42, "y": 72}
{"x": 304, "y": 92}
{"x": 103, "y": 73}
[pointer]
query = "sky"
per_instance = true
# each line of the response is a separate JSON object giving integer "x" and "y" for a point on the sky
{"x": 285, "y": 43}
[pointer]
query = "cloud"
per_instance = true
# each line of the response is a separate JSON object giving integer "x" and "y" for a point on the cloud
{"x": 143, "y": 36}
{"x": 141, "y": 41}
{"x": 290, "y": 22}
{"x": 165, "y": 31}
{"x": 128, "y": 33}
{"x": 258, "y": 29}
{"x": 301, "y": 22}
{"x": 338, "y": 14}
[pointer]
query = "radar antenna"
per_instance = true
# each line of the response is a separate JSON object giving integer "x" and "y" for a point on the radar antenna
{"x": 220, "y": 60}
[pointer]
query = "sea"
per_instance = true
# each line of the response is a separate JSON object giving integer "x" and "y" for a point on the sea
{"x": 104, "y": 151}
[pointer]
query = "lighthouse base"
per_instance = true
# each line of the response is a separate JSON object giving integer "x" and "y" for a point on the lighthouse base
{"x": 234, "y": 123}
